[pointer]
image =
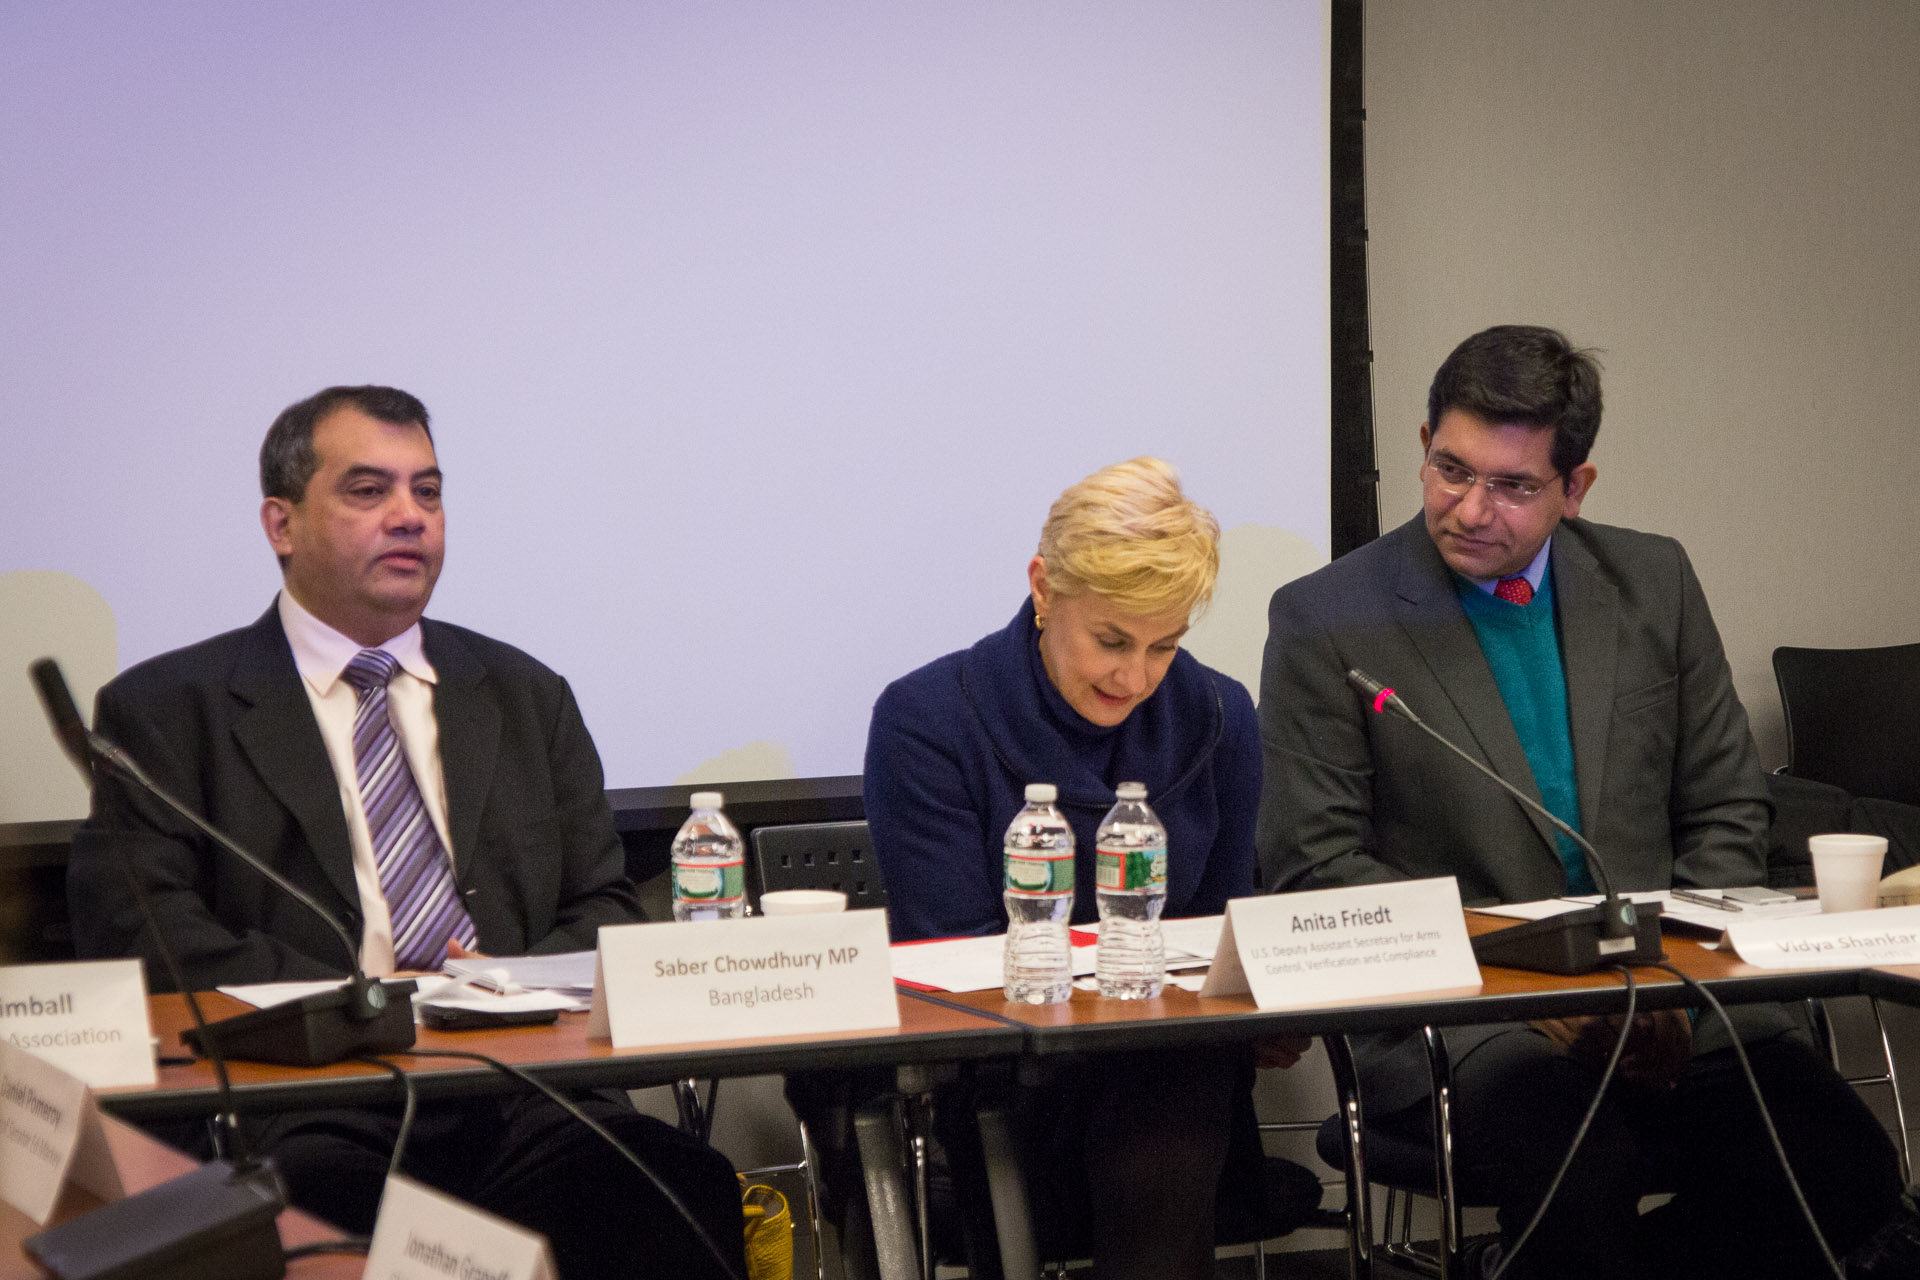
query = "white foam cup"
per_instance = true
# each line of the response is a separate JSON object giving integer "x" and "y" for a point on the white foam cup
{"x": 1846, "y": 866}
{"x": 801, "y": 902}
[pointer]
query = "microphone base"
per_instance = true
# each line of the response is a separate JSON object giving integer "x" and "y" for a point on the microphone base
{"x": 312, "y": 1031}
{"x": 215, "y": 1221}
{"x": 1570, "y": 943}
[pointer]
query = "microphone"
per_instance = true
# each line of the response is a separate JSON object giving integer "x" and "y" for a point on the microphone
{"x": 361, "y": 1017}
{"x": 1612, "y": 932}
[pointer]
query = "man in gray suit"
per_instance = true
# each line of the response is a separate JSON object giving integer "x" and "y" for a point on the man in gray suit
{"x": 1580, "y": 662}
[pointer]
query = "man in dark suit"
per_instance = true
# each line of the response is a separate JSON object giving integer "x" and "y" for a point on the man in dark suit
{"x": 435, "y": 789}
{"x": 1580, "y": 662}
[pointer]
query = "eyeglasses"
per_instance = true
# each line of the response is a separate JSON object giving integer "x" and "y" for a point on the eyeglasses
{"x": 1504, "y": 491}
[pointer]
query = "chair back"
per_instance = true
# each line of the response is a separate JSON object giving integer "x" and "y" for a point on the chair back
{"x": 1853, "y": 717}
{"x": 820, "y": 855}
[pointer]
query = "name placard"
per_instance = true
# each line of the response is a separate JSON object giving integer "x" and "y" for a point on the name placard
{"x": 1327, "y": 946}
{"x": 50, "y": 1136}
{"x": 423, "y": 1235}
{"x": 89, "y": 1018}
{"x": 1844, "y": 940}
{"x": 729, "y": 979}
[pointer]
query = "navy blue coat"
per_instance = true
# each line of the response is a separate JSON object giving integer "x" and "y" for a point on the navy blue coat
{"x": 953, "y": 746}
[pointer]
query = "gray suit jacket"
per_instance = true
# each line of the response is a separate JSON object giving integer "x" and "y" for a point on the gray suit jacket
{"x": 1671, "y": 790}
{"x": 226, "y": 725}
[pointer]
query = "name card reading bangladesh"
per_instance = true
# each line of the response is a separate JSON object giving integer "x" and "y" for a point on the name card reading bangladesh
{"x": 1327, "y": 946}
{"x": 1844, "y": 940}
{"x": 89, "y": 1018}
{"x": 735, "y": 979}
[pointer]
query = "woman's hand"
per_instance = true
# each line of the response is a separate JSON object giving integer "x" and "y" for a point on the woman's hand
{"x": 1280, "y": 1051}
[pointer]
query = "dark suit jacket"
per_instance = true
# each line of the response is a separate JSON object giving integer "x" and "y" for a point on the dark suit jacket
{"x": 1671, "y": 789}
{"x": 226, "y": 726}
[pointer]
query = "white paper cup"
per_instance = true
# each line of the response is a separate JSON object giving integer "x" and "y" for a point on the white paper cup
{"x": 1847, "y": 868}
{"x": 807, "y": 902}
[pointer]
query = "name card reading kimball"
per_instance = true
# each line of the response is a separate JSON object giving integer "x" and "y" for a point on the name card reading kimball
{"x": 1329, "y": 945}
{"x": 424, "y": 1235}
{"x": 88, "y": 1018}
{"x": 50, "y": 1136}
{"x": 1847, "y": 939}
{"x": 729, "y": 979}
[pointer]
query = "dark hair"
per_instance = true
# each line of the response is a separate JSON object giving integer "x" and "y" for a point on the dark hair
{"x": 287, "y": 460}
{"x": 1522, "y": 373}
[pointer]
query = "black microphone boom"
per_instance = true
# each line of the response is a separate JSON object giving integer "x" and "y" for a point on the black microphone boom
{"x": 362, "y": 1016}
{"x": 1579, "y": 941}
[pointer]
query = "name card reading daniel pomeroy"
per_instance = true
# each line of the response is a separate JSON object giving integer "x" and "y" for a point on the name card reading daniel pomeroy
{"x": 89, "y": 1018}
{"x": 738, "y": 979}
{"x": 1328, "y": 946}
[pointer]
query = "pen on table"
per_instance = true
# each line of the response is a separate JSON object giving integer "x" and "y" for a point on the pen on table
{"x": 1719, "y": 903}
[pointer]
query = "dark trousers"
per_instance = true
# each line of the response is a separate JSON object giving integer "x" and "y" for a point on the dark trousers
{"x": 523, "y": 1158}
{"x": 1518, "y": 1099}
{"x": 1123, "y": 1155}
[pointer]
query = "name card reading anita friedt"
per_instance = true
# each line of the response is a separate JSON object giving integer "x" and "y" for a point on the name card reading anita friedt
{"x": 1330, "y": 945}
{"x": 732, "y": 979}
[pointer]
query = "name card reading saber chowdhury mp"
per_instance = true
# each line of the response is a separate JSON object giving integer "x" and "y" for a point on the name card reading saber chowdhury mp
{"x": 1843, "y": 940}
{"x": 1328, "y": 946}
{"x": 734, "y": 979}
{"x": 89, "y": 1018}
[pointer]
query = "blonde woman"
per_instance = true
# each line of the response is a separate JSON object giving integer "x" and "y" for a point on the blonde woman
{"x": 1086, "y": 688}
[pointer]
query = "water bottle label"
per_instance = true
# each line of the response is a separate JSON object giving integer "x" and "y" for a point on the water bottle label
{"x": 1116, "y": 868}
{"x": 1032, "y": 871}
{"x": 710, "y": 881}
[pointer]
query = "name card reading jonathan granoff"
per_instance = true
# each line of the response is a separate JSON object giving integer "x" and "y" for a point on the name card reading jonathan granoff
{"x": 50, "y": 1136}
{"x": 734, "y": 979}
{"x": 89, "y": 1018}
{"x": 424, "y": 1235}
{"x": 1329, "y": 946}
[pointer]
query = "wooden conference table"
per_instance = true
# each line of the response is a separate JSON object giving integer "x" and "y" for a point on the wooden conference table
{"x": 143, "y": 1163}
{"x": 948, "y": 1028}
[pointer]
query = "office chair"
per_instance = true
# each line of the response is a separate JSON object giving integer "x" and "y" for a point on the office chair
{"x": 820, "y": 855}
{"x": 1853, "y": 718}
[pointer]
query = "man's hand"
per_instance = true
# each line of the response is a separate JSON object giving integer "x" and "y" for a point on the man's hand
{"x": 1657, "y": 1047}
{"x": 1280, "y": 1051}
{"x": 457, "y": 952}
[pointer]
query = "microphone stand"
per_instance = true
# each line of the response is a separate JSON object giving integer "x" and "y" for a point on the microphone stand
{"x": 359, "y": 1017}
{"x": 1614, "y": 931}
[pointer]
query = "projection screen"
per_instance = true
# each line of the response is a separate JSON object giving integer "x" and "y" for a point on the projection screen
{"x": 758, "y": 337}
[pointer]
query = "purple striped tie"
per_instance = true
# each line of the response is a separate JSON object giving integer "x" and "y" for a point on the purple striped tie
{"x": 415, "y": 873}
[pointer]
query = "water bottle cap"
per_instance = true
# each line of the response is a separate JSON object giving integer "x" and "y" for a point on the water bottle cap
{"x": 1042, "y": 793}
{"x": 706, "y": 800}
{"x": 1132, "y": 791}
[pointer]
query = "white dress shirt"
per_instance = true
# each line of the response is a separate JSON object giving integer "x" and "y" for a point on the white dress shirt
{"x": 321, "y": 654}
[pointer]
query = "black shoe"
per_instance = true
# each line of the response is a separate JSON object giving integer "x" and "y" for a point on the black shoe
{"x": 1892, "y": 1252}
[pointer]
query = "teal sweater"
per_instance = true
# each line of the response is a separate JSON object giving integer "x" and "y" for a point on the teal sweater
{"x": 1522, "y": 645}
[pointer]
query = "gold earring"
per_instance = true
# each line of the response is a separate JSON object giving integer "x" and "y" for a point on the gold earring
{"x": 1039, "y": 622}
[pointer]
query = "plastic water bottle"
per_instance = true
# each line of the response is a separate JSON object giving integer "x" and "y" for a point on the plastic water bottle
{"x": 1039, "y": 847}
{"x": 709, "y": 864}
{"x": 1130, "y": 881}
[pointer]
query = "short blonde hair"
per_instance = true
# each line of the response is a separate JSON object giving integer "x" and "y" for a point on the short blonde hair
{"x": 1129, "y": 533}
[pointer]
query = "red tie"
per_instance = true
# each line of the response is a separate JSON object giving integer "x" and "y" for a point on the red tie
{"x": 1516, "y": 590}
